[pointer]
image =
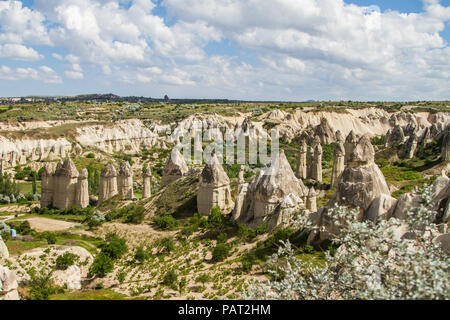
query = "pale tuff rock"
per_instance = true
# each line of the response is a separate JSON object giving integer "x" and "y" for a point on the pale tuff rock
{"x": 241, "y": 181}
{"x": 147, "y": 193}
{"x": 82, "y": 191}
{"x": 324, "y": 132}
{"x": 271, "y": 197}
{"x": 380, "y": 209}
{"x": 404, "y": 203}
{"x": 65, "y": 187}
{"x": 360, "y": 184}
{"x": 409, "y": 148}
{"x": 239, "y": 204}
{"x": 349, "y": 145}
{"x": 70, "y": 278}
{"x": 338, "y": 164}
{"x": 316, "y": 165}
{"x": 4, "y": 253}
{"x": 78, "y": 150}
{"x": 8, "y": 284}
{"x": 46, "y": 187}
{"x": 108, "y": 183}
{"x": 311, "y": 200}
{"x": 174, "y": 168}
{"x": 302, "y": 171}
{"x": 340, "y": 136}
{"x": 446, "y": 146}
{"x": 65, "y": 181}
{"x": 125, "y": 181}
{"x": 395, "y": 136}
{"x": 214, "y": 189}
{"x": 444, "y": 240}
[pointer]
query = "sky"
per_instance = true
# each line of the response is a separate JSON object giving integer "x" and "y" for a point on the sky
{"x": 288, "y": 50}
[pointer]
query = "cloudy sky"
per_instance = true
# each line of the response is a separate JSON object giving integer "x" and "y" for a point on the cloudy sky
{"x": 291, "y": 50}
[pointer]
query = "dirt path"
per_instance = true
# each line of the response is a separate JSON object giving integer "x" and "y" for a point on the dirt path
{"x": 45, "y": 224}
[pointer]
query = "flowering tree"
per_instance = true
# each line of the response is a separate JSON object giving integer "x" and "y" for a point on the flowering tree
{"x": 372, "y": 262}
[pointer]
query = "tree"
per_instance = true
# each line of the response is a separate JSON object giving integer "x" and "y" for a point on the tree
{"x": 371, "y": 263}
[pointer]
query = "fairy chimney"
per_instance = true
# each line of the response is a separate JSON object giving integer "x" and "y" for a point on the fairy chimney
{"x": 147, "y": 193}
{"x": 349, "y": 144}
{"x": 301, "y": 171}
{"x": 316, "y": 165}
{"x": 82, "y": 191}
{"x": 311, "y": 200}
{"x": 65, "y": 182}
{"x": 338, "y": 163}
{"x": 125, "y": 181}
{"x": 174, "y": 168}
{"x": 47, "y": 187}
{"x": 108, "y": 183}
{"x": 214, "y": 189}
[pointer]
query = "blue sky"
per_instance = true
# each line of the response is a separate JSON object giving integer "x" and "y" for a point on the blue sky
{"x": 291, "y": 50}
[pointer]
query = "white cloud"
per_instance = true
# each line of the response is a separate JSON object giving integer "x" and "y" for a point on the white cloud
{"x": 19, "y": 52}
{"x": 42, "y": 73}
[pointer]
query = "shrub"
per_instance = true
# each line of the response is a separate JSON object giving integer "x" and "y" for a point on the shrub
{"x": 41, "y": 286}
{"x": 170, "y": 277}
{"x": 135, "y": 214}
{"x": 115, "y": 248}
{"x": 51, "y": 238}
{"x": 204, "y": 278}
{"x": 166, "y": 222}
{"x": 141, "y": 255}
{"x": 95, "y": 219}
{"x": 220, "y": 252}
{"x": 65, "y": 260}
{"x": 102, "y": 265}
{"x": 222, "y": 238}
{"x": 166, "y": 244}
{"x": 90, "y": 155}
{"x": 389, "y": 269}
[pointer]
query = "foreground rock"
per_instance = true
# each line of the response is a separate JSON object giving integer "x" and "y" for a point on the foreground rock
{"x": 272, "y": 197}
{"x": 8, "y": 284}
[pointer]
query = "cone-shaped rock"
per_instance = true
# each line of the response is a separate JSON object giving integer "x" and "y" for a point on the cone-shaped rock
{"x": 82, "y": 192}
{"x": 108, "y": 183}
{"x": 46, "y": 187}
{"x": 301, "y": 171}
{"x": 147, "y": 193}
{"x": 65, "y": 182}
{"x": 214, "y": 189}
{"x": 125, "y": 181}
{"x": 338, "y": 163}
{"x": 174, "y": 168}
{"x": 272, "y": 196}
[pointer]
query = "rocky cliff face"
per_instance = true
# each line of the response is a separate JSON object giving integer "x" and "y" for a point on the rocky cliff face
{"x": 131, "y": 135}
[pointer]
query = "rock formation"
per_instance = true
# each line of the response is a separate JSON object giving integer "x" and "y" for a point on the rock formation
{"x": 214, "y": 189}
{"x": 324, "y": 132}
{"x": 8, "y": 284}
{"x": 395, "y": 136}
{"x": 302, "y": 172}
{"x": 311, "y": 200}
{"x": 272, "y": 196}
{"x": 445, "y": 154}
{"x": 408, "y": 149}
{"x": 174, "y": 168}
{"x": 146, "y": 192}
{"x": 65, "y": 181}
{"x": 65, "y": 187}
{"x": 4, "y": 253}
{"x": 349, "y": 144}
{"x": 316, "y": 165}
{"x": 82, "y": 190}
{"x": 125, "y": 181}
{"x": 338, "y": 163}
{"x": 361, "y": 183}
{"x": 46, "y": 187}
{"x": 108, "y": 183}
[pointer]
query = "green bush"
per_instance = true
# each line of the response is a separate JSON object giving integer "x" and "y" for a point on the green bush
{"x": 102, "y": 265}
{"x": 166, "y": 244}
{"x": 170, "y": 277}
{"x": 220, "y": 252}
{"x": 135, "y": 214}
{"x": 203, "y": 278}
{"x": 51, "y": 238}
{"x": 66, "y": 260}
{"x": 141, "y": 255}
{"x": 41, "y": 286}
{"x": 115, "y": 248}
{"x": 90, "y": 155}
{"x": 247, "y": 261}
{"x": 166, "y": 222}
